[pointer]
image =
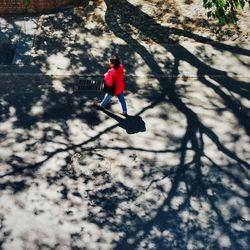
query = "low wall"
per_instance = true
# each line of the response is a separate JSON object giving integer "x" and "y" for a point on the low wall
{"x": 35, "y": 6}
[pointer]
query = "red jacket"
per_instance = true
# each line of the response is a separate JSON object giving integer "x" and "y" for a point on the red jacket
{"x": 117, "y": 75}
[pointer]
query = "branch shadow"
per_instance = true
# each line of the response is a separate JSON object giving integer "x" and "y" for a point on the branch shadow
{"x": 168, "y": 221}
{"x": 118, "y": 22}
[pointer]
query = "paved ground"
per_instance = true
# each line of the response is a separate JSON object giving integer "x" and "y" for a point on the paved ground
{"x": 174, "y": 175}
{"x": 17, "y": 32}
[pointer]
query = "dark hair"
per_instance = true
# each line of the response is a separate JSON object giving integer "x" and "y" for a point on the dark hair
{"x": 115, "y": 60}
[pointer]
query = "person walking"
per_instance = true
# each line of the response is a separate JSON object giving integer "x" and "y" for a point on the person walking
{"x": 115, "y": 75}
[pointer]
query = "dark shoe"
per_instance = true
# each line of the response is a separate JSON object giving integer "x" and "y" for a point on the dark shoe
{"x": 124, "y": 114}
{"x": 98, "y": 106}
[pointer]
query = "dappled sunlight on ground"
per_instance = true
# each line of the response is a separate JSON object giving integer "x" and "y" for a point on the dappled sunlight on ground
{"x": 174, "y": 174}
{"x": 76, "y": 186}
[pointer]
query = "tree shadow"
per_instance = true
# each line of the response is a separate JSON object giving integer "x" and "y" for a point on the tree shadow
{"x": 171, "y": 204}
{"x": 118, "y": 21}
{"x": 7, "y": 50}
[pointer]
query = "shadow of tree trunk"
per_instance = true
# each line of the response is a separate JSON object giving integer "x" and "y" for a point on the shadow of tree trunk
{"x": 119, "y": 23}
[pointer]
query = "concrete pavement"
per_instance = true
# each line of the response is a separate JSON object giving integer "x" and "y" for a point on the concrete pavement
{"x": 174, "y": 175}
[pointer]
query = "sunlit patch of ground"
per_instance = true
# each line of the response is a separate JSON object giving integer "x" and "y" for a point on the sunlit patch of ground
{"x": 173, "y": 175}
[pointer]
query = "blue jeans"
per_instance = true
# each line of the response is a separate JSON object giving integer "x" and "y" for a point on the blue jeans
{"x": 106, "y": 99}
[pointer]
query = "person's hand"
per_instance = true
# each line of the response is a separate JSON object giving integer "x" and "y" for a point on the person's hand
{"x": 105, "y": 74}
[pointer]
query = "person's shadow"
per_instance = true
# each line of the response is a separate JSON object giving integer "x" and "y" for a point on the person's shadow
{"x": 132, "y": 124}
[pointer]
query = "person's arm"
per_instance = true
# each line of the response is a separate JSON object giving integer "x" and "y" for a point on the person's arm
{"x": 109, "y": 78}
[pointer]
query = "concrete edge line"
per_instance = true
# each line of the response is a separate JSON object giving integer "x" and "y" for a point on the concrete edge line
{"x": 101, "y": 76}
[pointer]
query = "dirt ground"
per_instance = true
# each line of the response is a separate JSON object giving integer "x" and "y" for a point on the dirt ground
{"x": 191, "y": 15}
